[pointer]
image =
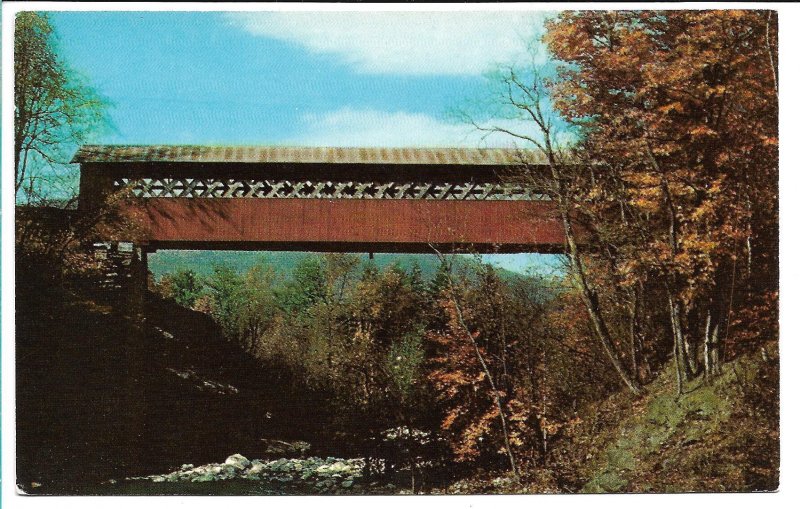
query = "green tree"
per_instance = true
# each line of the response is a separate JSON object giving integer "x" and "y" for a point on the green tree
{"x": 258, "y": 307}
{"x": 305, "y": 287}
{"x": 54, "y": 109}
{"x": 245, "y": 306}
{"x": 225, "y": 287}
{"x": 404, "y": 363}
{"x": 185, "y": 286}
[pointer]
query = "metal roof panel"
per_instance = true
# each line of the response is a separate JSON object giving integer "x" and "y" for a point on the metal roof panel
{"x": 305, "y": 155}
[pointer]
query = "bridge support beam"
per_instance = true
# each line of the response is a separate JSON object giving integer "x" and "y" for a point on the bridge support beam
{"x": 139, "y": 279}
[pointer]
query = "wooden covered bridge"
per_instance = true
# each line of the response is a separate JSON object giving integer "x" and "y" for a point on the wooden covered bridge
{"x": 322, "y": 199}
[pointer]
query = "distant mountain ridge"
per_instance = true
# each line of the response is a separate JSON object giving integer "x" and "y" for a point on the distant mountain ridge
{"x": 203, "y": 262}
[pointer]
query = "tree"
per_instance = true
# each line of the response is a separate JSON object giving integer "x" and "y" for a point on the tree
{"x": 259, "y": 307}
{"x": 672, "y": 122}
{"x": 523, "y": 93}
{"x": 54, "y": 109}
{"x": 244, "y": 305}
{"x": 225, "y": 286}
{"x": 678, "y": 113}
{"x": 184, "y": 286}
{"x": 305, "y": 288}
{"x": 463, "y": 366}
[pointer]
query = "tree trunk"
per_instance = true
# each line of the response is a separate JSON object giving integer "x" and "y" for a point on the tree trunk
{"x": 639, "y": 367}
{"x": 633, "y": 352}
{"x": 689, "y": 350}
{"x": 588, "y": 294}
{"x": 710, "y": 346}
{"x": 707, "y": 369}
{"x": 677, "y": 335}
{"x": 676, "y": 309}
{"x": 644, "y": 364}
{"x": 592, "y": 303}
{"x": 714, "y": 345}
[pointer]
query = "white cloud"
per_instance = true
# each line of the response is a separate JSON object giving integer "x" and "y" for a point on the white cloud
{"x": 418, "y": 43}
{"x": 349, "y": 127}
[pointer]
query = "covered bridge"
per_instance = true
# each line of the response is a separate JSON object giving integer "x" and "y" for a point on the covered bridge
{"x": 323, "y": 199}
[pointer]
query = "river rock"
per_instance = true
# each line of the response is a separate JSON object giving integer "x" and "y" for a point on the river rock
{"x": 208, "y": 476}
{"x": 283, "y": 449}
{"x": 320, "y": 475}
{"x": 257, "y": 468}
{"x": 237, "y": 461}
{"x": 229, "y": 471}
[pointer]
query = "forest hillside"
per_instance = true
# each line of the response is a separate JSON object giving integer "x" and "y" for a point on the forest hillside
{"x": 187, "y": 394}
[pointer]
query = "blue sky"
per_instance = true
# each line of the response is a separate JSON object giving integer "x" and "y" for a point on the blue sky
{"x": 356, "y": 79}
{"x": 294, "y": 78}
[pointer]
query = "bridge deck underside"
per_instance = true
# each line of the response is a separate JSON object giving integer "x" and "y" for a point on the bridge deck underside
{"x": 348, "y": 225}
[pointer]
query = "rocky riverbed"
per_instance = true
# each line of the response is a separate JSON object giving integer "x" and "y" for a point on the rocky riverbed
{"x": 280, "y": 476}
{"x": 287, "y": 470}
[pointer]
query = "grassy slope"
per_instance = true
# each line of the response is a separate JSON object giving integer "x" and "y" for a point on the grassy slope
{"x": 717, "y": 437}
{"x": 720, "y": 437}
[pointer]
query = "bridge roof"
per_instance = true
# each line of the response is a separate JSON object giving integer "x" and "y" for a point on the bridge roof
{"x": 304, "y": 155}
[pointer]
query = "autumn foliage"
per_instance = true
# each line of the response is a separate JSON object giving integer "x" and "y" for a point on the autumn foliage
{"x": 676, "y": 113}
{"x": 666, "y": 183}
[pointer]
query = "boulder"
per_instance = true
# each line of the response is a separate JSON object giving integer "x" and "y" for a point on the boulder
{"x": 257, "y": 469}
{"x": 237, "y": 461}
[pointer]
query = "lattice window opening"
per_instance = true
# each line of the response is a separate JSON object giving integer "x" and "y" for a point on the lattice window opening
{"x": 246, "y": 188}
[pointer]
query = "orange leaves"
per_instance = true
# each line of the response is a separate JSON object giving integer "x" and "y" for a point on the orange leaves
{"x": 675, "y": 106}
{"x": 461, "y": 387}
{"x": 703, "y": 130}
{"x": 755, "y": 323}
{"x": 699, "y": 110}
{"x": 451, "y": 418}
{"x": 771, "y": 141}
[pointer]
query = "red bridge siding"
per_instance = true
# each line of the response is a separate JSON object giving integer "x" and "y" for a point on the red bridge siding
{"x": 404, "y": 224}
{"x": 321, "y": 224}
